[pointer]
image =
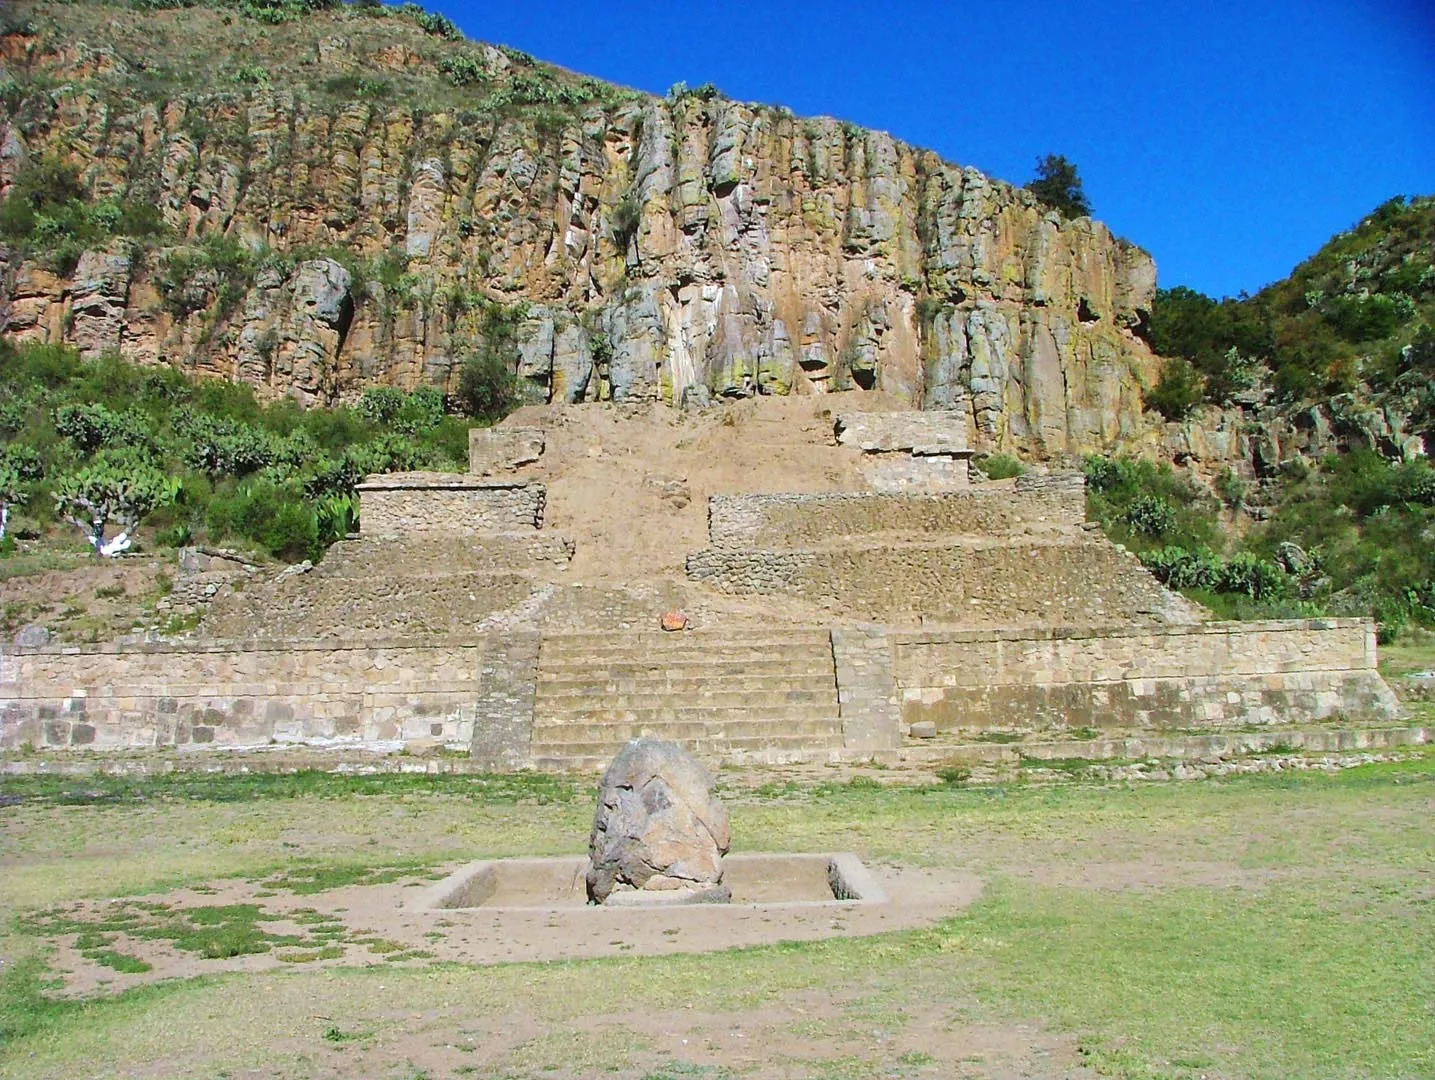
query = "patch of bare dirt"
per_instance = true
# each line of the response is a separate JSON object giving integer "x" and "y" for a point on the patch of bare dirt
{"x": 630, "y": 484}
{"x": 84, "y": 599}
{"x": 385, "y": 924}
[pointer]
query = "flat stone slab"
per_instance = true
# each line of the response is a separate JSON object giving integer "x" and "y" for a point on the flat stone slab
{"x": 927, "y": 433}
{"x": 427, "y": 481}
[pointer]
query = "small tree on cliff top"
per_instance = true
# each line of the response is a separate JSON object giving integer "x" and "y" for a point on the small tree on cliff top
{"x": 1058, "y": 184}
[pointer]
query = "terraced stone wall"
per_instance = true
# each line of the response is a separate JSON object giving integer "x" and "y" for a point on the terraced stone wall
{"x": 799, "y": 520}
{"x": 1211, "y": 676}
{"x": 1020, "y": 581}
{"x": 402, "y": 503}
{"x": 477, "y": 693}
{"x": 455, "y": 693}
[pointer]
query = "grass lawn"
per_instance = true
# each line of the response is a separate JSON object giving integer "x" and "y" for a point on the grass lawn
{"x": 1268, "y": 926}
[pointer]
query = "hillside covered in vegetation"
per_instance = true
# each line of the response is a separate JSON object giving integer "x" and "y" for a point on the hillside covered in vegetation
{"x": 100, "y": 445}
{"x": 1357, "y": 317}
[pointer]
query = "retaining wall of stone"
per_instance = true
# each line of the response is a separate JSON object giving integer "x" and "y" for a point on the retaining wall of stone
{"x": 404, "y": 503}
{"x": 1021, "y": 581}
{"x": 1211, "y": 676}
{"x": 800, "y": 520}
{"x": 451, "y": 692}
{"x": 477, "y": 693}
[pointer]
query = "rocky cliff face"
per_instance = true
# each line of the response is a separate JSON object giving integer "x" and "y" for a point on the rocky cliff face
{"x": 340, "y": 214}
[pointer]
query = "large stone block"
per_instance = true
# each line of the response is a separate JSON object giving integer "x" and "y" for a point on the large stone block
{"x": 397, "y": 504}
{"x": 501, "y": 450}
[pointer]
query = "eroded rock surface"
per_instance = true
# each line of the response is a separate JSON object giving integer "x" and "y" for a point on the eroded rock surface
{"x": 647, "y": 249}
{"x": 659, "y": 825}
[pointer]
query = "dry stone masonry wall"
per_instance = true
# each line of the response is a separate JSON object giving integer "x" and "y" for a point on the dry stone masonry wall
{"x": 397, "y": 504}
{"x": 1034, "y": 582}
{"x": 479, "y": 692}
{"x": 801, "y": 519}
{"x": 1218, "y": 675}
{"x": 375, "y": 693}
{"x": 998, "y": 555}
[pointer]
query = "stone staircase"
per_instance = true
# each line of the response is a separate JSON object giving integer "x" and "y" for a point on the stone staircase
{"x": 763, "y": 695}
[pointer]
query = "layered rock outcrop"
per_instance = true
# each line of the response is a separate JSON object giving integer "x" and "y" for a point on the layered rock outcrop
{"x": 621, "y": 247}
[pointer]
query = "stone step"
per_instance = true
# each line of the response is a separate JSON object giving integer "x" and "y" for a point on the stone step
{"x": 656, "y": 667}
{"x": 779, "y": 717}
{"x": 598, "y": 745}
{"x": 599, "y": 749}
{"x": 556, "y": 687}
{"x": 639, "y": 662}
{"x": 640, "y": 642}
{"x": 616, "y": 700}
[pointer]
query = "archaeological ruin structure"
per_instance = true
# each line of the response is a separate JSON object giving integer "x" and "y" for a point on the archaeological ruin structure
{"x": 904, "y": 609}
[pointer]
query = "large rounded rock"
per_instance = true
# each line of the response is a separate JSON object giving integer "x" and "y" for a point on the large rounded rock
{"x": 659, "y": 825}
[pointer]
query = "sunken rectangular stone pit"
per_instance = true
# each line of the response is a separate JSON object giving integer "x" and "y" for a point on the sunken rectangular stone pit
{"x": 757, "y": 880}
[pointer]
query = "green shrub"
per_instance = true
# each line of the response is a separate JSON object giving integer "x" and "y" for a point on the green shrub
{"x": 1139, "y": 502}
{"x": 275, "y": 12}
{"x": 1231, "y": 488}
{"x": 24, "y": 461}
{"x": 1180, "y": 389}
{"x": 463, "y": 69}
{"x": 233, "y": 453}
{"x": 217, "y": 272}
{"x": 275, "y": 518}
{"x": 336, "y": 516}
{"x": 47, "y": 216}
{"x": 432, "y": 22}
{"x": 381, "y": 404}
{"x": 251, "y": 75}
{"x": 1182, "y": 569}
{"x": 627, "y": 216}
{"x": 94, "y": 427}
{"x": 1151, "y": 516}
{"x": 999, "y": 466}
{"x": 487, "y": 389}
{"x": 222, "y": 447}
{"x": 1363, "y": 318}
{"x": 1251, "y": 576}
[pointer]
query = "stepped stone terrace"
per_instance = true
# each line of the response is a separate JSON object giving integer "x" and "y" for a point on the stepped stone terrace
{"x": 927, "y": 610}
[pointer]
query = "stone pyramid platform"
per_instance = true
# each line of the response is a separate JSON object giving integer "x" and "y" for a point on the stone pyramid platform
{"x": 910, "y": 613}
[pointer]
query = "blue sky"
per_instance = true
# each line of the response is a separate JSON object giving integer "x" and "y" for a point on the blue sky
{"x": 1230, "y": 140}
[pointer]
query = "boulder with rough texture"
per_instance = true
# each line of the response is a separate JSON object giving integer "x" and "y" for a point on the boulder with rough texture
{"x": 659, "y": 826}
{"x": 32, "y": 636}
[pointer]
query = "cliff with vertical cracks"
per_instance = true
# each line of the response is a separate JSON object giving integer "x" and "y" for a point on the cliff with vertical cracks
{"x": 348, "y": 200}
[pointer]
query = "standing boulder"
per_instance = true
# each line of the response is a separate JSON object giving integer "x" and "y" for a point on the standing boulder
{"x": 659, "y": 826}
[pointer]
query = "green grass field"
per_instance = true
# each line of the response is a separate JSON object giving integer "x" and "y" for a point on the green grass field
{"x": 1270, "y": 926}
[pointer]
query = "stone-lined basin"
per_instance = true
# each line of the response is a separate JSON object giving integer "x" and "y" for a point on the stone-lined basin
{"x": 836, "y": 880}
